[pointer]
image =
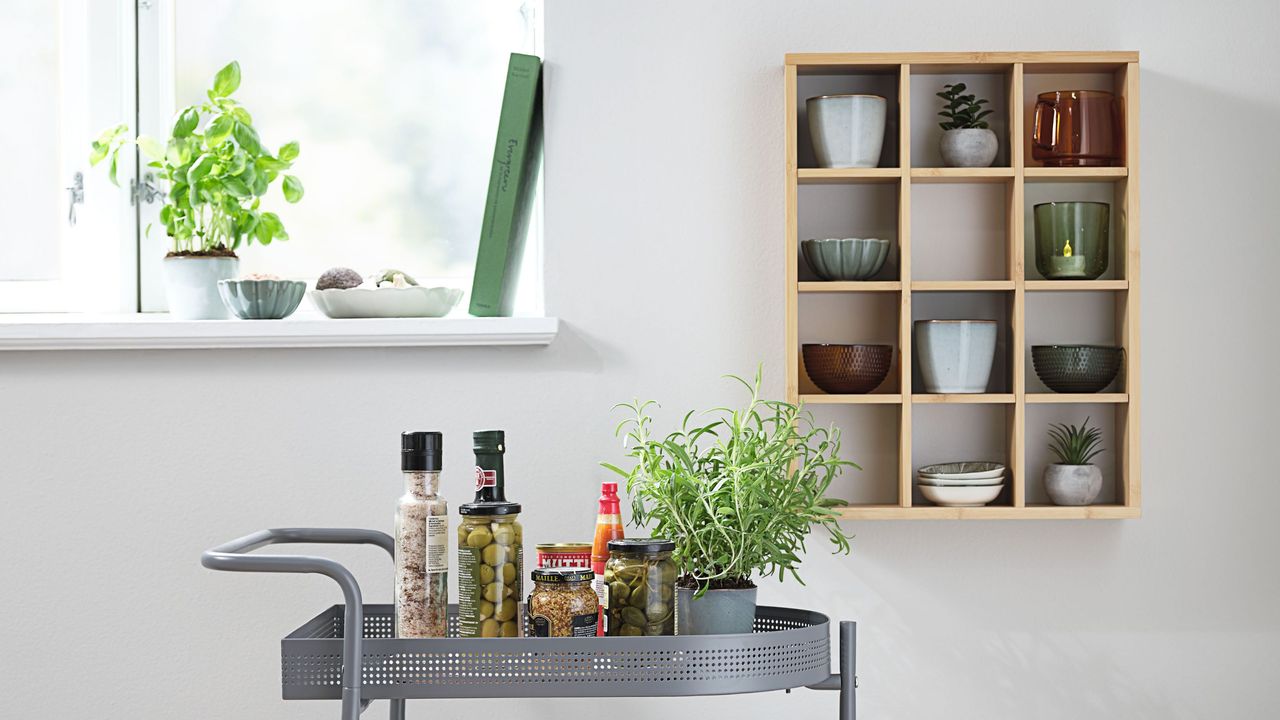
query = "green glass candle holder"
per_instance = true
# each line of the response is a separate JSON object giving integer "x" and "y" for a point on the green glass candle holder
{"x": 1073, "y": 239}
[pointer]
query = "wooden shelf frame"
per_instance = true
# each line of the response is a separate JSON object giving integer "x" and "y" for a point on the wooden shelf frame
{"x": 1014, "y": 67}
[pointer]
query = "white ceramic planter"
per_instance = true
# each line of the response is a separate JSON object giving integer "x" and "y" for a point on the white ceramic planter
{"x": 955, "y": 355}
{"x": 191, "y": 286}
{"x": 1072, "y": 484}
{"x": 717, "y": 612}
{"x": 968, "y": 147}
{"x": 847, "y": 130}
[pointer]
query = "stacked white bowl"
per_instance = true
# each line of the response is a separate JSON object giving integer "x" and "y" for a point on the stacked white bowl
{"x": 961, "y": 484}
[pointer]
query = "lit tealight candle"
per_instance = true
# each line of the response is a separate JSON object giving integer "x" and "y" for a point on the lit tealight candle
{"x": 1068, "y": 265}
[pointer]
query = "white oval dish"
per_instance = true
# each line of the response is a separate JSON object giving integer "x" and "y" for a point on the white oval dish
{"x": 962, "y": 470}
{"x": 971, "y": 496}
{"x": 362, "y": 302}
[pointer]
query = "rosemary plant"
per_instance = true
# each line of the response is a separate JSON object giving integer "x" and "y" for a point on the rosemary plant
{"x": 738, "y": 490}
{"x": 1075, "y": 445}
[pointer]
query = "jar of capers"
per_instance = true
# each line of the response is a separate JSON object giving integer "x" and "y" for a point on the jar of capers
{"x": 490, "y": 550}
{"x": 640, "y": 577}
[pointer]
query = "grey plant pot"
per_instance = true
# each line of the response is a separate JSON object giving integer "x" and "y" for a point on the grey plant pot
{"x": 969, "y": 147}
{"x": 717, "y": 612}
{"x": 1072, "y": 484}
{"x": 191, "y": 286}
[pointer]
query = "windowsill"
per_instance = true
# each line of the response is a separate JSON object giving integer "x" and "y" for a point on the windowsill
{"x": 67, "y": 331}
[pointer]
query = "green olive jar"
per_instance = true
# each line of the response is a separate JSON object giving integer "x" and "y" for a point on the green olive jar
{"x": 490, "y": 550}
{"x": 641, "y": 577}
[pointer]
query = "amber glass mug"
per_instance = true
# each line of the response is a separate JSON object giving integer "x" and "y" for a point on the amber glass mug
{"x": 1077, "y": 128}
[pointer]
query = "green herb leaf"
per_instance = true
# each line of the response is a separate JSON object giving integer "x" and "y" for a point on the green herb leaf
{"x": 292, "y": 188}
{"x": 247, "y": 137}
{"x": 288, "y": 152}
{"x": 186, "y": 123}
{"x": 150, "y": 146}
{"x": 227, "y": 80}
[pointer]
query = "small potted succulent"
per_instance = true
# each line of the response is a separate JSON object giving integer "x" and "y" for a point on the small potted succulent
{"x": 1073, "y": 480}
{"x": 738, "y": 491}
{"x": 966, "y": 139}
{"x": 217, "y": 171}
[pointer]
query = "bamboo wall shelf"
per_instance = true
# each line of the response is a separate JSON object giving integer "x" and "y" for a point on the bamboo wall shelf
{"x": 923, "y": 280}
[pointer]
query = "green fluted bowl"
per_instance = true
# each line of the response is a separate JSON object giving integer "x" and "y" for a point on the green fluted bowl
{"x": 1077, "y": 368}
{"x": 262, "y": 299}
{"x": 845, "y": 258}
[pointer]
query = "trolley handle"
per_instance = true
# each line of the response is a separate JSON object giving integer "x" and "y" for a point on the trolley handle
{"x": 234, "y": 556}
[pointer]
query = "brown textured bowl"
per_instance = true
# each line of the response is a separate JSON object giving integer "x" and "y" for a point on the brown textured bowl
{"x": 847, "y": 369}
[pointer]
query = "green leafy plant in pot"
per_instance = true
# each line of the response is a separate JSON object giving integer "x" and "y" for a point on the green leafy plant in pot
{"x": 738, "y": 490}
{"x": 217, "y": 171}
{"x": 967, "y": 141}
{"x": 1073, "y": 480}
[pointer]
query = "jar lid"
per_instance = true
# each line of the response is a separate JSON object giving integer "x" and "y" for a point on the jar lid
{"x": 563, "y": 575}
{"x": 641, "y": 545}
{"x": 489, "y": 508}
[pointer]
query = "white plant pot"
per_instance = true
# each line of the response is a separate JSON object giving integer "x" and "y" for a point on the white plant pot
{"x": 969, "y": 147}
{"x": 1072, "y": 484}
{"x": 191, "y": 286}
{"x": 955, "y": 356}
{"x": 847, "y": 130}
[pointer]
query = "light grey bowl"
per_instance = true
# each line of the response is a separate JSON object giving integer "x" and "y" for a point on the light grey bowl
{"x": 955, "y": 355}
{"x": 262, "y": 299}
{"x": 845, "y": 258}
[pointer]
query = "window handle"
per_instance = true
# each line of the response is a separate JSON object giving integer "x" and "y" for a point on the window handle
{"x": 144, "y": 191}
{"x": 76, "y": 196}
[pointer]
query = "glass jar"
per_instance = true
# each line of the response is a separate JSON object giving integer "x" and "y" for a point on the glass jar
{"x": 563, "y": 603}
{"x": 1072, "y": 239}
{"x": 490, "y": 573}
{"x": 640, "y": 576}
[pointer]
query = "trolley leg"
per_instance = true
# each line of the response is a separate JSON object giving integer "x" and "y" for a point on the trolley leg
{"x": 397, "y": 710}
{"x": 848, "y": 670}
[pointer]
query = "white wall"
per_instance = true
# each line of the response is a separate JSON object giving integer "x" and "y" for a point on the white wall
{"x": 665, "y": 224}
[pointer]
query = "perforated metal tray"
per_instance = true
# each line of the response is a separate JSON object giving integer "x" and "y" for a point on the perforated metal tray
{"x": 789, "y": 649}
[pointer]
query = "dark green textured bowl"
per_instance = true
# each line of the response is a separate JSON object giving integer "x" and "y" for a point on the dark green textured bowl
{"x": 1077, "y": 368}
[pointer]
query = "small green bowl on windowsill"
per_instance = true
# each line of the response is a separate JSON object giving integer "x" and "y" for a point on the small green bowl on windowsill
{"x": 262, "y": 299}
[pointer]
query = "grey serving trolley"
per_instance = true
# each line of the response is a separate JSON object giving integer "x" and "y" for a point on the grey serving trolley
{"x": 323, "y": 659}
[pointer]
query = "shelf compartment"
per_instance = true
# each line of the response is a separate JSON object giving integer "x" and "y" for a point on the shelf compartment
{"x": 1111, "y": 193}
{"x": 962, "y": 398}
{"x": 1107, "y": 417}
{"x": 1073, "y": 318}
{"x": 1064, "y": 398}
{"x": 961, "y": 175}
{"x": 993, "y": 82}
{"x": 871, "y": 80}
{"x": 822, "y": 286}
{"x": 869, "y": 436}
{"x": 1048, "y": 77}
{"x": 961, "y": 232}
{"x": 866, "y": 399}
{"x": 844, "y": 211}
{"x": 963, "y": 432}
{"x": 1074, "y": 174}
{"x": 998, "y": 306}
{"x": 846, "y": 176}
{"x": 1076, "y": 285}
{"x": 850, "y": 318}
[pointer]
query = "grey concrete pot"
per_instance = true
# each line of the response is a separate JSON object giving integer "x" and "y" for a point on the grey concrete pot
{"x": 1072, "y": 484}
{"x": 968, "y": 147}
{"x": 717, "y": 612}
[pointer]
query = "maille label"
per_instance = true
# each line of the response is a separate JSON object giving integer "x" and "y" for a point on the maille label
{"x": 486, "y": 478}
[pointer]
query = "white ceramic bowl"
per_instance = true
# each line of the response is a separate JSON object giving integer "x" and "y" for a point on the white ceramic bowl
{"x": 944, "y": 482}
{"x": 972, "y": 496}
{"x": 362, "y": 302}
{"x": 955, "y": 356}
{"x": 962, "y": 470}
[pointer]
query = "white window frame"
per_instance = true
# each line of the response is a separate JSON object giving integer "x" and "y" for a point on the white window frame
{"x": 110, "y": 293}
{"x": 97, "y": 266}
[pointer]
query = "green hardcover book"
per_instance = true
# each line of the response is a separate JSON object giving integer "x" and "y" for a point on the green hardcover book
{"x": 507, "y": 209}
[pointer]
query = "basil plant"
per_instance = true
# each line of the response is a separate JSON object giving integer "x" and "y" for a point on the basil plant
{"x": 217, "y": 171}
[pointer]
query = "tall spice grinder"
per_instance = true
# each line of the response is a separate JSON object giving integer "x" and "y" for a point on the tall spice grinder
{"x": 422, "y": 540}
{"x": 608, "y": 527}
{"x": 490, "y": 549}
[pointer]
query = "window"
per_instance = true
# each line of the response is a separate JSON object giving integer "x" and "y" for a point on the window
{"x": 394, "y": 103}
